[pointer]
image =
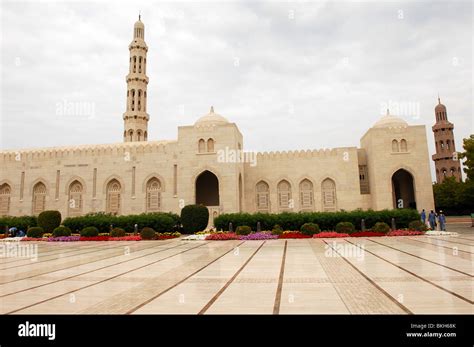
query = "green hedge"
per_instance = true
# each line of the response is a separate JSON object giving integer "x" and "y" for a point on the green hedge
{"x": 325, "y": 220}
{"x": 21, "y": 223}
{"x": 49, "y": 220}
{"x": 35, "y": 232}
{"x": 161, "y": 222}
{"x": 194, "y": 218}
{"x": 61, "y": 231}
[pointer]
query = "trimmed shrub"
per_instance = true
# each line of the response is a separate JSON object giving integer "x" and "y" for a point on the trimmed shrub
{"x": 345, "y": 227}
{"x": 381, "y": 227}
{"x": 148, "y": 234}
{"x": 35, "y": 232}
{"x": 277, "y": 230}
{"x": 49, "y": 220}
{"x": 310, "y": 229}
{"x": 325, "y": 220}
{"x": 61, "y": 231}
{"x": 194, "y": 218}
{"x": 417, "y": 225}
{"x": 160, "y": 221}
{"x": 243, "y": 230}
{"x": 117, "y": 232}
{"x": 21, "y": 223}
{"x": 89, "y": 232}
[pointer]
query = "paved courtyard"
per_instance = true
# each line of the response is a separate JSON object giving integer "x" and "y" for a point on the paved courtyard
{"x": 388, "y": 275}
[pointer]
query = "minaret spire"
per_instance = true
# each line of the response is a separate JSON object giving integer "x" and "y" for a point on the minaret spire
{"x": 135, "y": 116}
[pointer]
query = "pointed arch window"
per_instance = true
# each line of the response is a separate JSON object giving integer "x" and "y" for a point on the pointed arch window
{"x": 284, "y": 195}
{"x": 306, "y": 195}
{"x": 263, "y": 197}
{"x": 39, "y": 198}
{"x": 201, "y": 146}
{"x": 210, "y": 145}
{"x": 328, "y": 191}
{"x": 153, "y": 195}
{"x": 5, "y": 194}
{"x": 75, "y": 198}
{"x": 395, "y": 147}
{"x": 403, "y": 145}
{"x": 114, "y": 195}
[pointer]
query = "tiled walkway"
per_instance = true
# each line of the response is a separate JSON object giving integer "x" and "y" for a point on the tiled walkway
{"x": 394, "y": 275}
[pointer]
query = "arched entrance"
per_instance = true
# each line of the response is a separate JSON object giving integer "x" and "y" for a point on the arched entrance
{"x": 207, "y": 194}
{"x": 207, "y": 189}
{"x": 403, "y": 190}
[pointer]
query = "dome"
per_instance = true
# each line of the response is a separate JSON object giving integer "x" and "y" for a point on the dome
{"x": 440, "y": 107}
{"x": 139, "y": 23}
{"x": 390, "y": 121}
{"x": 211, "y": 119}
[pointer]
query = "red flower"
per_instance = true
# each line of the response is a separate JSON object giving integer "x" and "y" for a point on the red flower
{"x": 367, "y": 234}
{"x": 94, "y": 238}
{"x": 330, "y": 234}
{"x": 294, "y": 235}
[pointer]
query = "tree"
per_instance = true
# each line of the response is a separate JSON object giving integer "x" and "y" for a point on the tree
{"x": 468, "y": 155}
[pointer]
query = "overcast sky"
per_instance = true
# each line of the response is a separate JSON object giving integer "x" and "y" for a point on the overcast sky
{"x": 291, "y": 75}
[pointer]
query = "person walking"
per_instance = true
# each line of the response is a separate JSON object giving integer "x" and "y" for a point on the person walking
{"x": 423, "y": 216}
{"x": 442, "y": 221}
{"x": 432, "y": 220}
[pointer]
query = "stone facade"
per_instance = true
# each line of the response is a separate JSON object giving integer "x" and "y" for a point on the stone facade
{"x": 206, "y": 164}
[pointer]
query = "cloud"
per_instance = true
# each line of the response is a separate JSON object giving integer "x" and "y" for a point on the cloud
{"x": 311, "y": 74}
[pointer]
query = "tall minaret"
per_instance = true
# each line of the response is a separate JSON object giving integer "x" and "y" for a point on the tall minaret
{"x": 135, "y": 117}
{"x": 446, "y": 160}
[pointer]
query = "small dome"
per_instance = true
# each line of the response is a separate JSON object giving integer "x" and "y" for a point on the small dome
{"x": 211, "y": 119}
{"x": 390, "y": 121}
{"x": 139, "y": 23}
{"x": 440, "y": 107}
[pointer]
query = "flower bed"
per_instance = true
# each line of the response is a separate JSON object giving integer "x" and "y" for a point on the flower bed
{"x": 94, "y": 238}
{"x": 329, "y": 234}
{"x": 222, "y": 236}
{"x": 293, "y": 235}
{"x": 125, "y": 238}
{"x": 367, "y": 234}
{"x": 63, "y": 239}
{"x": 33, "y": 239}
{"x": 405, "y": 233}
{"x": 167, "y": 236}
{"x": 259, "y": 236}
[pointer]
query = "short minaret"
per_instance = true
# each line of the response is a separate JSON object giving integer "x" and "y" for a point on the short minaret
{"x": 135, "y": 117}
{"x": 446, "y": 160}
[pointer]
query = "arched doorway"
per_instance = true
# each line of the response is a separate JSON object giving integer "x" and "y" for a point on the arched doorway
{"x": 403, "y": 190}
{"x": 207, "y": 189}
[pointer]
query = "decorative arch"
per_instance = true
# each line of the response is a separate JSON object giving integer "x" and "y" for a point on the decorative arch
{"x": 39, "y": 198}
{"x": 403, "y": 189}
{"x": 328, "y": 195}
{"x": 5, "y": 198}
{"x": 130, "y": 135}
{"x": 284, "y": 195}
{"x": 262, "y": 189}
{"x": 306, "y": 194}
{"x": 207, "y": 189}
{"x": 139, "y": 135}
{"x": 395, "y": 147}
{"x": 153, "y": 195}
{"x": 75, "y": 198}
{"x": 114, "y": 196}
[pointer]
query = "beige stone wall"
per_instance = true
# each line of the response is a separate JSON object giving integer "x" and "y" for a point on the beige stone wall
{"x": 178, "y": 163}
{"x": 383, "y": 162}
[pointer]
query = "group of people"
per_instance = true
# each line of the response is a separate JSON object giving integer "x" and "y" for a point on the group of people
{"x": 14, "y": 232}
{"x": 433, "y": 218}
